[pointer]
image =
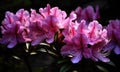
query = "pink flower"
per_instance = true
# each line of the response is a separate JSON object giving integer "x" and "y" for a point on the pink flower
{"x": 77, "y": 48}
{"x": 70, "y": 31}
{"x": 97, "y": 39}
{"x": 114, "y": 35}
{"x": 46, "y": 23}
{"x": 37, "y": 34}
{"x": 87, "y": 13}
{"x": 76, "y": 42}
{"x": 58, "y": 14}
{"x": 50, "y": 27}
{"x": 23, "y": 20}
{"x": 96, "y": 33}
{"x": 99, "y": 52}
{"x": 86, "y": 41}
{"x": 15, "y": 28}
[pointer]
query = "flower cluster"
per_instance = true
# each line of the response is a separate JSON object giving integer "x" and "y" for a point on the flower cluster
{"x": 85, "y": 40}
{"x": 83, "y": 35}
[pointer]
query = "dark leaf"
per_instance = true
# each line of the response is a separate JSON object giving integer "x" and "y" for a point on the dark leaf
{"x": 65, "y": 68}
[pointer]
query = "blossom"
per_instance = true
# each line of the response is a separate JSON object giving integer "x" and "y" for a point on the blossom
{"x": 78, "y": 48}
{"x": 98, "y": 40}
{"x": 87, "y": 13}
{"x": 15, "y": 28}
{"x": 87, "y": 41}
{"x": 114, "y": 35}
{"x": 99, "y": 52}
{"x": 71, "y": 28}
{"x": 76, "y": 43}
{"x": 46, "y": 23}
{"x": 57, "y": 13}
{"x": 37, "y": 34}
{"x": 96, "y": 33}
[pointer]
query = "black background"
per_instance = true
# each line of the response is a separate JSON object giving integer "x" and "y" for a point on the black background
{"x": 109, "y": 9}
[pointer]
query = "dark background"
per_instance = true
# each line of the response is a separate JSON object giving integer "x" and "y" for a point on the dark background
{"x": 109, "y": 9}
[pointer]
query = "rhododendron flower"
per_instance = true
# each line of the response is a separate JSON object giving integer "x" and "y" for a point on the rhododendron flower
{"x": 98, "y": 39}
{"x": 114, "y": 35}
{"x": 99, "y": 52}
{"x": 77, "y": 48}
{"x": 71, "y": 28}
{"x": 96, "y": 33}
{"x": 86, "y": 35}
{"x": 46, "y": 23}
{"x": 49, "y": 25}
{"x": 56, "y": 12}
{"x": 15, "y": 28}
{"x": 37, "y": 34}
{"x": 76, "y": 42}
{"x": 87, "y": 13}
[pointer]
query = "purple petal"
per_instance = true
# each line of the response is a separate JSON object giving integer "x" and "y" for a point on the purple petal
{"x": 117, "y": 49}
{"x": 87, "y": 13}
{"x": 82, "y": 27}
{"x": 38, "y": 40}
{"x": 87, "y": 53}
{"x": 72, "y": 16}
{"x": 76, "y": 58}
{"x": 65, "y": 50}
{"x": 102, "y": 57}
{"x": 46, "y": 11}
{"x": 50, "y": 39}
{"x": 12, "y": 44}
{"x": 12, "y": 41}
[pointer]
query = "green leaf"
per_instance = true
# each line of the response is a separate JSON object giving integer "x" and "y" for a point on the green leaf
{"x": 50, "y": 52}
{"x": 16, "y": 57}
{"x": 65, "y": 68}
{"x": 111, "y": 63}
{"x": 45, "y": 44}
{"x": 27, "y": 47}
{"x": 61, "y": 61}
{"x": 102, "y": 68}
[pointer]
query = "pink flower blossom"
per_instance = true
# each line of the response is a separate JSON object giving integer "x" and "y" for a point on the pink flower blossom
{"x": 96, "y": 33}
{"x": 114, "y": 35}
{"x": 37, "y": 34}
{"x": 77, "y": 48}
{"x": 76, "y": 42}
{"x": 97, "y": 39}
{"x": 99, "y": 52}
{"x": 87, "y": 13}
{"x": 49, "y": 25}
{"x": 86, "y": 41}
{"x": 70, "y": 31}
{"x": 46, "y": 23}
{"x": 15, "y": 28}
{"x": 58, "y": 14}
